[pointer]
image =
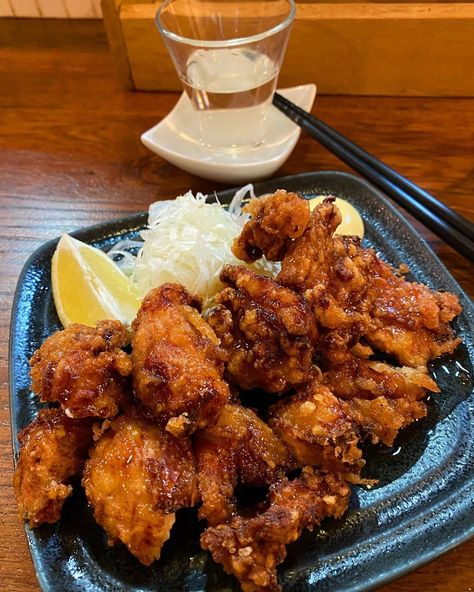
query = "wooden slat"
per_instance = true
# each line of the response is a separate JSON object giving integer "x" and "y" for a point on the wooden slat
{"x": 79, "y": 8}
{"x": 113, "y": 27}
{"x": 358, "y": 1}
{"x": 25, "y": 8}
{"x": 6, "y": 8}
{"x": 361, "y": 49}
{"x": 53, "y": 8}
{"x": 97, "y": 8}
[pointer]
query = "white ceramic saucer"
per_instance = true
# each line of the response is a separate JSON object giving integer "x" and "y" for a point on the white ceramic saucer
{"x": 176, "y": 139}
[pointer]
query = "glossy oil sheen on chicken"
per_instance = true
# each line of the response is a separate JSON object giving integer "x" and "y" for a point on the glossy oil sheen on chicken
{"x": 268, "y": 332}
{"x": 83, "y": 369}
{"x": 251, "y": 547}
{"x": 177, "y": 361}
{"x": 352, "y": 292}
{"x": 309, "y": 352}
{"x": 137, "y": 476}
{"x": 53, "y": 449}
{"x": 239, "y": 448}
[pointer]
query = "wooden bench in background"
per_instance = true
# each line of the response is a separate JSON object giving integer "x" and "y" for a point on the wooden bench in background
{"x": 360, "y": 48}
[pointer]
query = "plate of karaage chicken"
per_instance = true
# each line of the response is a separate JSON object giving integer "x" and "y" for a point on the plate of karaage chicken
{"x": 310, "y": 431}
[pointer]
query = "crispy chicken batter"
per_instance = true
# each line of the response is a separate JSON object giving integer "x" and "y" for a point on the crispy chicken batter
{"x": 240, "y": 447}
{"x": 84, "y": 369}
{"x": 411, "y": 321}
{"x": 333, "y": 301}
{"x": 319, "y": 432}
{"x": 268, "y": 331}
{"x": 251, "y": 548}
{"x": 382, "y": 418}
{"x": 324, "y": 431}
{"x": 317, "y": 266}
{"x": 276, "y": 220}
{"x": 354, "y": 294}
{"x": 177, "y": 361}
{"x": 368, "y": 379}
{"x": 137, "y": 476}
{"x": 53, "y": 449}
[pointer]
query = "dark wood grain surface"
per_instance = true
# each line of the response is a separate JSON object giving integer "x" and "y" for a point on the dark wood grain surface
{"x": 70, "y": 156}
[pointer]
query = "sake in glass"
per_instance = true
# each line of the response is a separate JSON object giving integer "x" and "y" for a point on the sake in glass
{"x": 228, "y": 55}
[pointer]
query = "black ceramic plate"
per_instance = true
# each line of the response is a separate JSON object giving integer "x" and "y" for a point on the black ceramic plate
{"x": 421, "y": 508}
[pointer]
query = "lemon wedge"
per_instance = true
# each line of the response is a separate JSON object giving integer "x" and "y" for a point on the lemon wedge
{"x": 351, "y": 221}
{"x": 88, "y": 287}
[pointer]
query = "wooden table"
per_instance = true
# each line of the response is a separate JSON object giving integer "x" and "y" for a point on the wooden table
{"x": 70, "y": 156}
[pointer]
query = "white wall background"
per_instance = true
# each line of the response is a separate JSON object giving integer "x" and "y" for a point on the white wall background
{"x": 51, "y": 8}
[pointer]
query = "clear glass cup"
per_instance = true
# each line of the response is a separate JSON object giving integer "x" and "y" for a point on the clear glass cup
{"x": 228, "y": 55}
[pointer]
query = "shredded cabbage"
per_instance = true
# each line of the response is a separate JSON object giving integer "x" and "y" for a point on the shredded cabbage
{"x": 187, "y": 241}
{"x": 122, "y": 257}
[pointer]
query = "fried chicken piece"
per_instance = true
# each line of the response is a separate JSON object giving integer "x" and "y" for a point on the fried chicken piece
{"x": 84, "y": 369}
{"x": 354, "y": 294}
{"x": 316, "y": 266}
{"x": 267, "y": 330}
{"x": 382, "y": 418}
{"x": 411, "y": 321}
{"x": 276, "y": 220}
{"x": 137, "y": 476}
{"x": 53, "y": 449}
{"x": 319, "y": 431}
{"x": 318, "y": 260}
{"x": 324, "y": 431}
{"x": 368, "y": 379}
{"x": 251, "y": 548}
{"x": 240, "y": 447}
{"x": 334, "y": 275}
{"x": 177, "y": 361}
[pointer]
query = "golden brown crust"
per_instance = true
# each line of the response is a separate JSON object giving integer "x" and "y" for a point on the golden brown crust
{"x": 267, "y": 330}
{"x": 319, "y": 432}
{"x": 323, "y": 430}
{"x": 354, "y": 294}
{"x": 137, "y": 476}
{"x": 53, "y": 449}
{"x": 177, "y": 361}
{"x": 368, "y": 379}
{"x": 84, "y": 369}
{"x": 239, "y": 448}
{"x": 276, "y": 220}
{"x": 410, "y": 321}
{"x": 251, "y": 548}
{"x": 381, "y": 419}
{"x": 335, "y": 301}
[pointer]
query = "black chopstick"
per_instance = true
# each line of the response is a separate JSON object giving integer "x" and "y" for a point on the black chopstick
{"x": 423, "y": 197}
{"x": 449, "y": 225}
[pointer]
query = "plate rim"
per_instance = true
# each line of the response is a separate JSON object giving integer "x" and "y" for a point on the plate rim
{"x": 136, "y": 222}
